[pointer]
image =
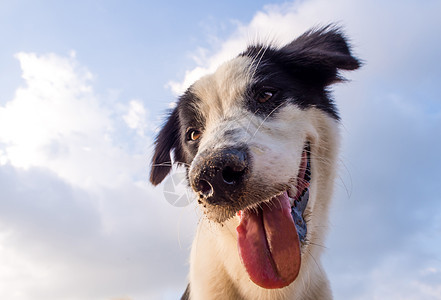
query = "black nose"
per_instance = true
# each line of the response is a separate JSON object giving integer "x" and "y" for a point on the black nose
{"x": 219, "y": 176}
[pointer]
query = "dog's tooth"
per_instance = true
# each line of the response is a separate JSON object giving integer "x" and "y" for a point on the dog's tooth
{"x": 292, "y": 192}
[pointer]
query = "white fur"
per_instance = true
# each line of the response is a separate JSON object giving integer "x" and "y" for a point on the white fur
{"x": 276, "y": 145}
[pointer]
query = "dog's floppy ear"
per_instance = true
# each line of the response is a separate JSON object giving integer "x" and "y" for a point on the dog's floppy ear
{"x": 168, "y": 140}
{"x": 318, "y": 54}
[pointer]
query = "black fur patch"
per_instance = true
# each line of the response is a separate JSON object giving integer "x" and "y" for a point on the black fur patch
{"x": 167, "y": 141}
{"x": 172, "y": 139}
{"x": 186, "y": 295}
{"x": 190, "y": 118}
{"x": 300, "y": 71}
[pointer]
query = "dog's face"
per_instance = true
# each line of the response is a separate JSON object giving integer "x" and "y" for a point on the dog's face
{"x": 258, "y": 139}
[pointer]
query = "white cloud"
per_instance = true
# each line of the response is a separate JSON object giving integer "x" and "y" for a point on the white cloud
{"x": 411, "y": 283}
{"x": 78, "y": 219}
{"x": 60, "y": 242}
{"x": 56, "y": 121}
{"x": 136, "y": 117}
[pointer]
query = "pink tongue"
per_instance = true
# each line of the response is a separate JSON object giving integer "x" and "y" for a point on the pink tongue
{"x": 269, "y": 245}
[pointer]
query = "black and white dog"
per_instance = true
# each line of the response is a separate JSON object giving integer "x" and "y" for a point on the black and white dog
{"x": 259, "y": 138}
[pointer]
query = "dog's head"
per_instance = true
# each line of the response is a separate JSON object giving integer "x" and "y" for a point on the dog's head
{"x": 258, "y": 138}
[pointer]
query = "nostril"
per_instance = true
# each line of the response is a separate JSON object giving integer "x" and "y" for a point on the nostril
{"x": 231, "y": 176}
{"x": 218, "y": 177}
{"x": 205, "y": 188}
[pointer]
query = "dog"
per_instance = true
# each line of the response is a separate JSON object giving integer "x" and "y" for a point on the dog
{"x": 259, "y": 139}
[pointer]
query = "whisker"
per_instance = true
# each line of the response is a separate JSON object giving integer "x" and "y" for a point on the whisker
{"x": 316, "y": 263}
{"x": 170, "y": 164}
{"x": 318, "y": 245}
{"x": 264, "y": 120}
{"x": 348, "y": 191}
{"x": 260, "y": 59}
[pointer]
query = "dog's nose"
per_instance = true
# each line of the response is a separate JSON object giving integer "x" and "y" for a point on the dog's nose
{"x": 219, "y": 176}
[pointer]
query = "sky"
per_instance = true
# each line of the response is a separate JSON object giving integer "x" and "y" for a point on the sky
{"x": 85, "y": 86}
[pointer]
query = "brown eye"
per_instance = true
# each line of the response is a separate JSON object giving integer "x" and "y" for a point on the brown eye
{"x": 193, "y": 135}
{"x": 265, "y": 95}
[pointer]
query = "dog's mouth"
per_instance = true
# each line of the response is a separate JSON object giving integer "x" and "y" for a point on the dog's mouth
{"x": 270, "y": 234}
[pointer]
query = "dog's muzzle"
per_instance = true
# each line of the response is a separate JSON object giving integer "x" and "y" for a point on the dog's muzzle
{"x": 271, "y": 229}
{"x": 219, "y": 176}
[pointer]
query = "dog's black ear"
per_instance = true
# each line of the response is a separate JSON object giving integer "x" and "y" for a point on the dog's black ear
{"x": 318, "y": 54}
{"x": 167, "y": 140}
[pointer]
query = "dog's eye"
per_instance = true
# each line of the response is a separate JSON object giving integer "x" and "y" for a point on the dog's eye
{"x": 264, "y": 95}
{"x": 193, "y": 135}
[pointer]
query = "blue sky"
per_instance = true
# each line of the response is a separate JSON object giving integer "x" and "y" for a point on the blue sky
{"x": 129, "y": 40}
{"x": 85, "y": 85}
